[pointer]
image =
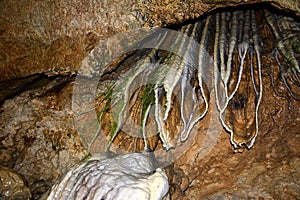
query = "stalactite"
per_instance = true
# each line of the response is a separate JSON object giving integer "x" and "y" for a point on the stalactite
{"x": 121, "y": 93}
{"x": 203, "y": 94}
{"x": 230, "y": 64}
{"x": 258, "y": 90}
{"x": 286, "y": 48}
{"x": 219, "y": 87}
{"x": 203, "y": 76}
{"x": 187, "y": 74}
{"x": 226, "y": 73}
{"x": 176, "y": 64}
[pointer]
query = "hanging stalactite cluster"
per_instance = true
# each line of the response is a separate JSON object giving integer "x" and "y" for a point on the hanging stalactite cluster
{"x": 220, "y": 55}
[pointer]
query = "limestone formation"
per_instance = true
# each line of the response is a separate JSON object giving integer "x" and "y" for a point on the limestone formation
{"x": 43, "y": 45}
{"x": 126, "y": 177}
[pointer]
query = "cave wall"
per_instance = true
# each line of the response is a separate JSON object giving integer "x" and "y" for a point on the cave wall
{"x": 42, "y": 44}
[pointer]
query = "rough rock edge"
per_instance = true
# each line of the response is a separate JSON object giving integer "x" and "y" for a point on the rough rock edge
{"x": 54, "y": 37}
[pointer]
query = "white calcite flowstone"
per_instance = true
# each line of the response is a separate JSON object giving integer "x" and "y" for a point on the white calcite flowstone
{"x": 131, "y": 176}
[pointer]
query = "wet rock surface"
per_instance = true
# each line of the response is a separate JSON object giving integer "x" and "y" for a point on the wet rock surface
{"x": 130, "y": 176}
{"x": 42, "y": 48}
{"x": 13, "y": 185}
{"x": 270, "y": 170}
{"x": 47, "y": 146}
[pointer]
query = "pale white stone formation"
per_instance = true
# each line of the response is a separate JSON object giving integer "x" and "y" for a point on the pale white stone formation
{"x": 127, "y": 177}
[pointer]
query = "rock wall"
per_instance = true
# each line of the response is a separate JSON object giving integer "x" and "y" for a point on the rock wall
{"x": 53, "y": 36}
{"x": 42, "y": 44}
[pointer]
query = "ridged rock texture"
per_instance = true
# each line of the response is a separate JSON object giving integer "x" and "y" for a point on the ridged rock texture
{"x": 42, "y": 46}
{"x": 128, "y": 177}
{"x": 13, "y": 185}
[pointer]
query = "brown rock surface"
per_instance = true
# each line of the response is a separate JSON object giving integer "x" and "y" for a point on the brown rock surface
{"x": 53, "y": 36}
{"x": 270, "y": 170}
{"x": 38, "y": 139}
{"x": 42, "y": 43}
{"x": 12, "y": 185}
{"x": 162, "y": 12}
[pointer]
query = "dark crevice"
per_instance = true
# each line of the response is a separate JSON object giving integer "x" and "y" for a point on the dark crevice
{"x": 253, "y": 6}
{"x": 14, "y": 87}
